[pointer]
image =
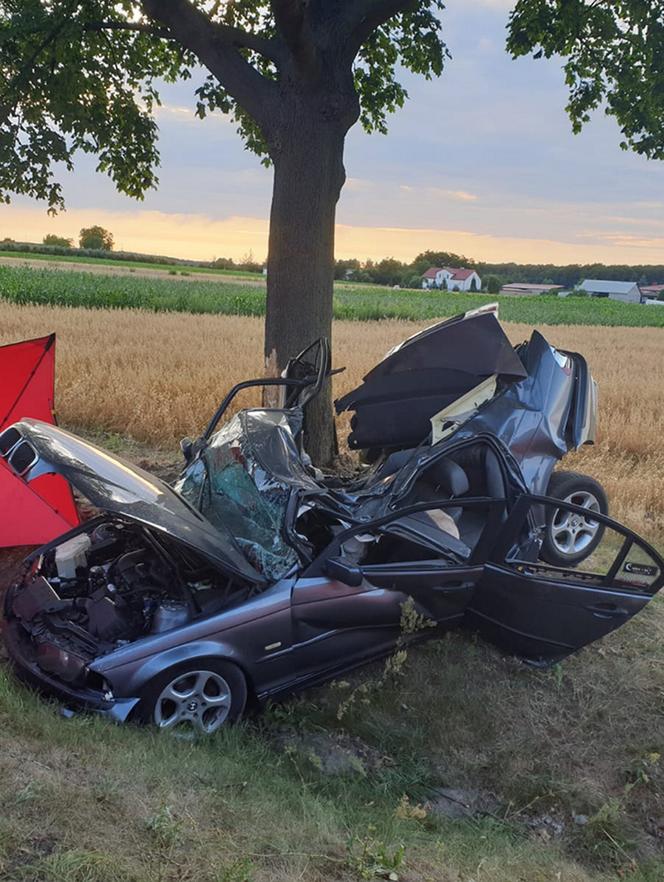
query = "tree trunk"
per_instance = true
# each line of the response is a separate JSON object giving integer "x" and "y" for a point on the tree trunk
{"x": 308, "y": 176}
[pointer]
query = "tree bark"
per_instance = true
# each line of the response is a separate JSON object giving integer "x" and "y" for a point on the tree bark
{"x": 308, "y": 176}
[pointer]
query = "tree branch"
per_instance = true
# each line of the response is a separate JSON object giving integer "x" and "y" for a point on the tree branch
{"x": 294, "y": 26}
{"x": 141, "y": 27}
{"x": 233, "y": 36}
{"x": 216, "y": 46}
{"x": 365, "y": 16}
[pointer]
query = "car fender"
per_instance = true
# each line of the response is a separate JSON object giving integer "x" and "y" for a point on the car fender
{"x": 131, "y": 678}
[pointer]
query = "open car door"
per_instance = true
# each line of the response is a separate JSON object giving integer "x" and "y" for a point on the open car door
{"x": 544, "y": 613}
{"x": 348, "y": 604}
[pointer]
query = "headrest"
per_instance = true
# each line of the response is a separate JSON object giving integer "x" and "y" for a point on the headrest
{"x": 450, "y": 476}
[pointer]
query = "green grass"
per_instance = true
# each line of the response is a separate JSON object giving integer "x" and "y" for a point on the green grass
{"x": 131, "y": 264}
{"x": 355, "y": 302}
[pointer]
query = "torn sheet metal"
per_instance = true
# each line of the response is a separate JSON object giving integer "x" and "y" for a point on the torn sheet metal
{"x": 425, "y": 374}
{"x": 535, "y": 417}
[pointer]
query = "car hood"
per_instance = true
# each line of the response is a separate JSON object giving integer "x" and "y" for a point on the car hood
{"x": 113, "y": 485}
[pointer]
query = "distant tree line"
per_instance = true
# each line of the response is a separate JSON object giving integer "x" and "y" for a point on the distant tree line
{"x": 409, "y": 275}
{"x": 97, "y": 242}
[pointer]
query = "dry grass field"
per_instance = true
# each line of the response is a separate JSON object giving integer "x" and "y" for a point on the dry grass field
{"x": 157, "y": 378}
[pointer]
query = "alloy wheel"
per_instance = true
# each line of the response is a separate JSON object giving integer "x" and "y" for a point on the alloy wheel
{"x": 199, "y": 699}
{"x": 572, "y": 533}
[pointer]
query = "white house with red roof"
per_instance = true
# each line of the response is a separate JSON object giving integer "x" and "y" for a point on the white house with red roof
{"x": 451, "y": 278}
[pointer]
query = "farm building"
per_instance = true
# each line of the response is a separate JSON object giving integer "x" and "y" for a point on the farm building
{"x": 521, "y": 288}
{"x": 654, "y": 292}
{"x": 452, "y": 278}
{"x": 628, "y": 292}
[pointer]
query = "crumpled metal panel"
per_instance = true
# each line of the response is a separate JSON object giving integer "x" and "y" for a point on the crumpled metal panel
{"x": 113, "y": 485}
{"x": 531, "y": 417}
{"x": 423, "y": 375}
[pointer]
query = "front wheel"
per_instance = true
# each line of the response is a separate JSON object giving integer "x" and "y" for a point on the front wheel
{"x": 201, "y": 695}
{"x": 570, "y": 538}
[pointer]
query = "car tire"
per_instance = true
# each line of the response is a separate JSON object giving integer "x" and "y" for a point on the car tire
{"x": 563, "y": 547}
{"x": 201, "y": 695}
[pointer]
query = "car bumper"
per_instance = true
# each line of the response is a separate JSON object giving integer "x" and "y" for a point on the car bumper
{"x": 21, "y": 655}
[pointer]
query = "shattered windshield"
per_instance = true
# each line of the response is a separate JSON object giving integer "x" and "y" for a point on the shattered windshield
{"x": 242, "y": 483}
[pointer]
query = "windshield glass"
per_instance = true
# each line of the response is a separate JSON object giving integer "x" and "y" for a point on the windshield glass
{"x": 242, "y": 483}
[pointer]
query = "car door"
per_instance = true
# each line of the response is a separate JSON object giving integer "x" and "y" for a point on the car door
{"x": 348, "y": 604}
{"x": 544, "y": 613}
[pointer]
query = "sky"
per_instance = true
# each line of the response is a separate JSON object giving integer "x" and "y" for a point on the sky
{"x": 481, "y": 161}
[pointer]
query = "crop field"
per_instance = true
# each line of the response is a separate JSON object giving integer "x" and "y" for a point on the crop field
{"x": 23, "y": 285}
{"x": 325, "y": 788}
{"x": 117, "y": 262}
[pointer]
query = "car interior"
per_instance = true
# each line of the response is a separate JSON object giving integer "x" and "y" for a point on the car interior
{"x": 473, "y": 471}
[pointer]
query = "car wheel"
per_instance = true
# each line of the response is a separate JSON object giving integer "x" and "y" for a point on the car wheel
{"x": 569, "y": 538}
{"x": 202, "y": 696}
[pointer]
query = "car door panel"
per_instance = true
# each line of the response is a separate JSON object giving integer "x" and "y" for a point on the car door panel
{"x": 544, "y": 613}
{"x": 545, "y": 620}
{"x": 440, "y": 593}
{"x": 325, "y": 609}
{"x": 325, "y": 603}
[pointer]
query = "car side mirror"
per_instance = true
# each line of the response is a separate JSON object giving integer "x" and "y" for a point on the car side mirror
{"x": 338, "y": 569}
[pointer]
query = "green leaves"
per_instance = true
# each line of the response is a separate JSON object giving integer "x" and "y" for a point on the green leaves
{"x": 70, "y": 85}
{"x": 411, "y": 39}
{"x": 614, "y": 55}
{"x": 82, "y": 75}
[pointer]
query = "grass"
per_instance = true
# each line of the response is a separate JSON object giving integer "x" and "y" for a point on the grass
{"x": 131, "y": 264}
{"x": 354, "y": 302}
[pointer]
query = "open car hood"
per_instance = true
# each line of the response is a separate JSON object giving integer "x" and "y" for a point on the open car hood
{"x": 33, "y": 448}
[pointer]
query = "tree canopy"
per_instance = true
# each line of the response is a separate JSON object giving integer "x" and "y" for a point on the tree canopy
{"x": 55, "y": 241}
{"x": 614, "y": 51}
{"x": 83, "y": 75}
{"x": 96, "y": 238}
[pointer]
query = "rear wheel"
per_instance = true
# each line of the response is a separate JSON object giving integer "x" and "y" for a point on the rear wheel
{"x": 570, "y": 538}
{"x": 200, "y": 696}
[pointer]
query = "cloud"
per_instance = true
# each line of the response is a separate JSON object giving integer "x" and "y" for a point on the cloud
{"x": 461, "y": 195}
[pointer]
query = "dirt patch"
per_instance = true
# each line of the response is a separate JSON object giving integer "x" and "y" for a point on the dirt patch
{"x": 10, "y": 562}
{"x": 331, "y": 753}
{"x": 454, "y": 803}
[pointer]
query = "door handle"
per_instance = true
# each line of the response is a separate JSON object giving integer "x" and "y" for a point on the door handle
{"x": 449, "y": 587}
{"x": 608, "y": 611}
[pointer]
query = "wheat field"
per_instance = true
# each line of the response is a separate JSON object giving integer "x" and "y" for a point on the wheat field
{"x": 158, "y": 377}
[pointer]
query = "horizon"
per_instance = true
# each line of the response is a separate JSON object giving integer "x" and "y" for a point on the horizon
{"x": 249, "y": 257}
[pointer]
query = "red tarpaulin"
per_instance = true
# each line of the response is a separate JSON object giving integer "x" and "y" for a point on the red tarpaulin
{"x": 35, "y": 513}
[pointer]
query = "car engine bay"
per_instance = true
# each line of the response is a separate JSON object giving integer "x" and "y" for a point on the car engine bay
{"x": 110, "y": 585}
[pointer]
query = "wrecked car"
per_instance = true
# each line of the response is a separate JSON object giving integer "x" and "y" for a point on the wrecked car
{"x": 256, "y": 574}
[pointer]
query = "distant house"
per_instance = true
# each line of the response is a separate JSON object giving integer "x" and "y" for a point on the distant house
{"x": 452, "y": 278}
{"x": 627, "y": 292}
{"x": 652, "y": 291}
{"x": 521, "y": 288}
{"x": 433, "y": 277}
